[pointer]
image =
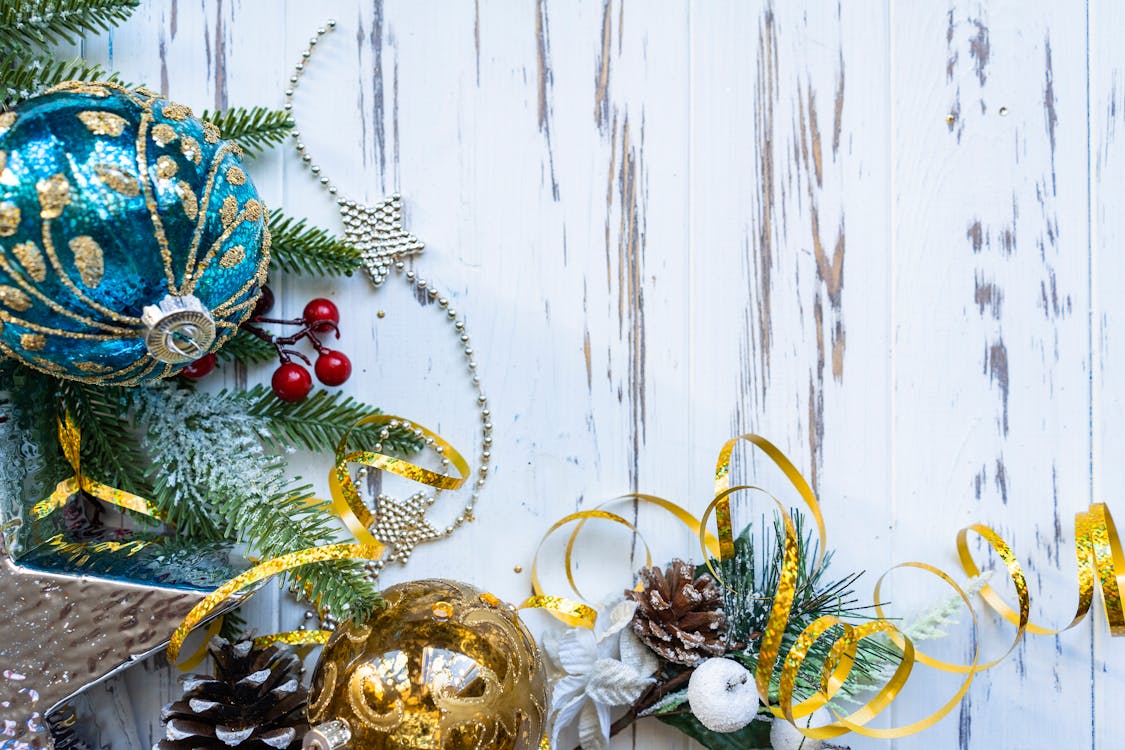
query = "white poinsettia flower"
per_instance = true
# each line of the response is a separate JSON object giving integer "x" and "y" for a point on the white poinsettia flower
{"x": 602, "y": 668}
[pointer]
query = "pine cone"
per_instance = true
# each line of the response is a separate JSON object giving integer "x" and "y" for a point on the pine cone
{"x": 255, "y": 701}
{"x": 679, "y": 616}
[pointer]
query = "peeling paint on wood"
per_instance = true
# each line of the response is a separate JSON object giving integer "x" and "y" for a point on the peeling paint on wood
{"x": 885, "y": 236}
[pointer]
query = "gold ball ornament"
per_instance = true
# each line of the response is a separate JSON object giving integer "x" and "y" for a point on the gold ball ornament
{"x": 443, "y": 666}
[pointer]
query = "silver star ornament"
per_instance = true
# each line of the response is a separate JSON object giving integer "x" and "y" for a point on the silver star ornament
{"x": 378, "y": 232}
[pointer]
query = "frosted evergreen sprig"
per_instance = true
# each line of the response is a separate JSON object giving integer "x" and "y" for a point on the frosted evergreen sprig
{"x": 214, "y": 477}
{"x": 23, "y": 75}
{"x": 31, "y": 24}
{"x": 934, "y": 622}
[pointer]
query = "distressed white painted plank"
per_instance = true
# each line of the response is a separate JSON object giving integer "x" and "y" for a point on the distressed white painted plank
{"x": 636, "y": 298}
{"x": 791, "y": 229}
{"x": 1107, "y": 231}
{"x": 991, "y": 347}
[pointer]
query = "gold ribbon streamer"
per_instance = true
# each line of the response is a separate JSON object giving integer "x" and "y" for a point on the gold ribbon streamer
{"x": 70, "y": 439}
{"x": 260, "y": 572}
{"x": 580, "y": 613}
{"x": 1097, "y": 547}
{"x": 346, "y": 502}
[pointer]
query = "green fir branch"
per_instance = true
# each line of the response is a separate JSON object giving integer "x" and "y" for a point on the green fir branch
{"x": 23, "y": 76}
{"x": 318, "y": 422}
{"x": 216, "y": 479}
{"x": 753, "y": 574}
{"x": 29, "y": 24}
{"x": 111, "y": 451}
{"x": 288, "y": 521}
{"x": 246, "y": 348}
{"x": 303, "y": 249}
{"x": 255, "y": 129}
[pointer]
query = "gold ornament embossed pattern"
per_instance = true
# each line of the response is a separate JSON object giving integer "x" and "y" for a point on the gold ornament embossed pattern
{"x": 443, "y": 666}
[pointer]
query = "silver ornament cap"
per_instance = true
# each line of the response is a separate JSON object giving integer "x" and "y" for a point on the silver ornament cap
{"x": 178, "y": 330}
{"x": 331, "y": 735}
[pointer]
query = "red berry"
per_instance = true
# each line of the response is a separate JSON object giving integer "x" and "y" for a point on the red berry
{"x": 333, "y": 367}
{"x": 199, "y": 368}
{"x": 291, "y": 382}
{"x": 321, "y": 315}
{"x": 265, "y": 302}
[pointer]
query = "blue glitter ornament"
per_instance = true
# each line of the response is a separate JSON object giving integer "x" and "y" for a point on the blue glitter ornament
{"x": 132, "y": 240}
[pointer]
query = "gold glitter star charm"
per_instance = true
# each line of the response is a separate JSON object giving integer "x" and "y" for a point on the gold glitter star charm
{"x": 64, "y": 633}
{"x": 377, "y": 231}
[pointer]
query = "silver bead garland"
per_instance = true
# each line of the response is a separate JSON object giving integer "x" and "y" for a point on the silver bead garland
{"x": 377, "y": 231}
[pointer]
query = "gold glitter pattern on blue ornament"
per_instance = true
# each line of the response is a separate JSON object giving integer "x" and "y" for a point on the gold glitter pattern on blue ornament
{"x": 114, "y": 200}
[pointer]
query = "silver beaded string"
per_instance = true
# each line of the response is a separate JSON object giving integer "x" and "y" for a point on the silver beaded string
{"x": 402, "y": 524}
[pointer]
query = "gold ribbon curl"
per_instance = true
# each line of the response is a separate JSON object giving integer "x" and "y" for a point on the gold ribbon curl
{"x": 1097, "y": 547}
{"x": 70, "y": 439}
{"x": 347, "y": 504}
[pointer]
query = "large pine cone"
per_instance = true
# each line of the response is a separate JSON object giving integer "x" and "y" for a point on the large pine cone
{"x": 255, "y": 701}
{"x": 679, "y": 616}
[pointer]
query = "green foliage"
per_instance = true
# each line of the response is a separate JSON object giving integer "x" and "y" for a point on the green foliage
{"x": 29, "y": 24}
{"x": 753, "y": 736}
{"x": 300, "y": 248}
{"x": 108, "y": 442}
{"x": 246, "y": 348}
{"x": 288, "y": 520}
{"x": 255, "y": 129}
{"x": 214, "y": 463}
{"x": 753, "y": 578}
{"x": 22, "y": 76}
{"x": 318, "y": 422}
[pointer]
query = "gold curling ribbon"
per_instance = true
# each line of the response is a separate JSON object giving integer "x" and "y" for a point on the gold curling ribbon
{"x": 579, "y": 613}
{"x": 260, "y": 572}
{"x": 1097, "y": 547}
{"x": 70, "y": 438}
{"x": 347, "y": 504}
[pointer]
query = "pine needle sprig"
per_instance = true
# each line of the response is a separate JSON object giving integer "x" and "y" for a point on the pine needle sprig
{"x": 318, "y": 422}
{"x": 215, "y": 479}
{"x": 111, "y": 450}
{"x": 23, "y": 76}
{"x": 256, "y": 129}
{"x": 753, "y": 578}
{"x": 288, "y": 520}
{"x": 28, "y": 24}
{"x": 312, "y": 251}
{"x": 246, "y": 348}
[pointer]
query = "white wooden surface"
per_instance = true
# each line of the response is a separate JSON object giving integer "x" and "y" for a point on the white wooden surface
{"x": 882, "y": 234}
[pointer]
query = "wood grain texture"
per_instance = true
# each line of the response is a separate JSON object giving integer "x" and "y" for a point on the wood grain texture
{"x": 883, "y": 234}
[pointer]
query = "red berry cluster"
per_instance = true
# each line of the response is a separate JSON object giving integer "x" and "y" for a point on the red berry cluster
{"x": 291, "y": 380}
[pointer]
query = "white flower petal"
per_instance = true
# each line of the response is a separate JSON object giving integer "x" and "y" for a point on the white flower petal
{"x": 567, "y": 690}
{"x": 564, "y": 716}
{"x": 637, "y": 655}
{"x": 577, "y": 651}
{"x": 615, "y": 684}
{"x": 593, "y": 730}
{"x": 612, "y": 621}
{"x": 550, "y": 646}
